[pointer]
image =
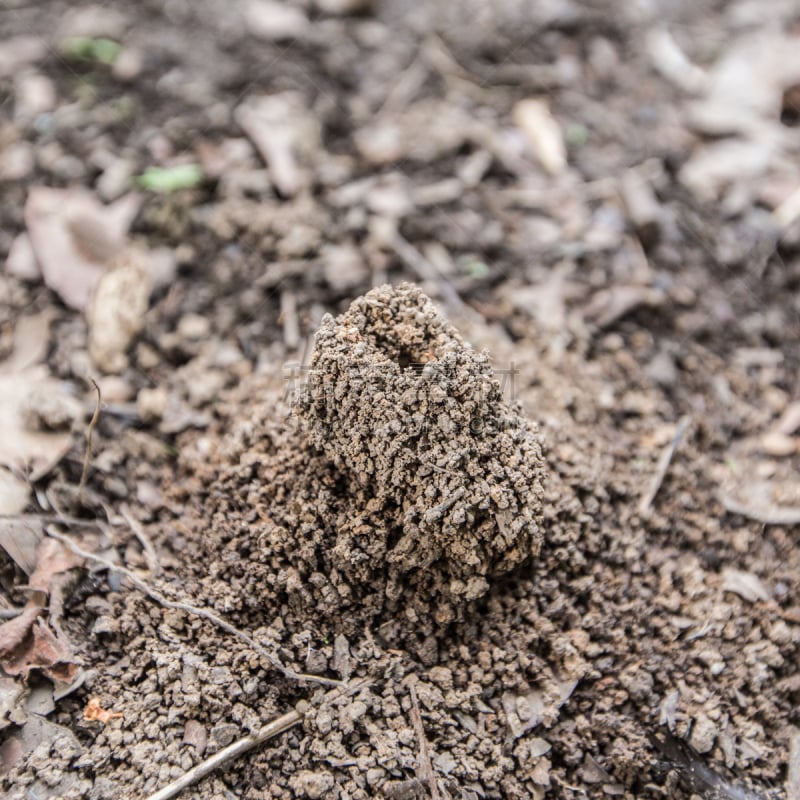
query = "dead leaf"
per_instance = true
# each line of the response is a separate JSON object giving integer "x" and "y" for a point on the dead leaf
{"x": 13, "y": 632}
{"x": 11, "y": 753}
{"x": 286, "y": 135}
{"x": 14, "y": 495}
{"x": 94, "y": 712}
{"x": 755, "y": 501}
{"x": 11, "y": 697}
{"x": 29, "y": 452}
{"x": 52, "y": 558}
{"x": 31, "y": 341}
{"x": 747, "y": 585}
{"x": 73, "y": 235}
{"x": 20, "y": 538}
{"x": 609, "y": 305}
{"x": 28, "y": 643}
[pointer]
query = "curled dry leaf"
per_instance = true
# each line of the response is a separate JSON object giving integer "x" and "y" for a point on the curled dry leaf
{"x": 20, "y": 537}
{"x": 286, "y": 135}
{"x": 94, "y": 712}
{"x": 609, "y": 305}
{"x": 73, "y": 235}
{"x": 26, "y": 451}
{"x": 27, "y": 643}
{"x": 52, "y": 558}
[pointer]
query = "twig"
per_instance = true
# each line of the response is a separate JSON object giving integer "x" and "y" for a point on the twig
{"x": 426, "y": 767}
{"x": 663, "y": 466}
{"x": 245, "y": 744}
{"x": 227, "y": 754}
{"x": 88, "y": 454}
{"x": 159, "y": 598}
{"x": 424, "y": 269}
{"x": 288, "y": 316}
{"x": 150, "y": 554}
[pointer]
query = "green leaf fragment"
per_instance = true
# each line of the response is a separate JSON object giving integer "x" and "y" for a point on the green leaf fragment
{"x": 86, "y": 48}
{"x": 170, "y": 179}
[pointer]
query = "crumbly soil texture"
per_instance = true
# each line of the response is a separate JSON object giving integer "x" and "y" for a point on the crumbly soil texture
{"x": 449, "y": 359}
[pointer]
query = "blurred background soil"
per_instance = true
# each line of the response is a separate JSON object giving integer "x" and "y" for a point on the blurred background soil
{"x": 605, "y": 195}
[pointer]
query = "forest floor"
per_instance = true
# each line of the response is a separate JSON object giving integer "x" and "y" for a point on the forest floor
{"x": 603, "y": 196}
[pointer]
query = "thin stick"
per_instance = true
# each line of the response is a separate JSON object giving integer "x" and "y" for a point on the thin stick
{"x": 426, "y": 767}
{"x": 159, "y": 598}
{"x": 227, "y": 754}
{"x": 150, "y": 555}
{"x": 663, "y": 466}
{"x": 88, "y": 454}
{"x": 238, "y": 748}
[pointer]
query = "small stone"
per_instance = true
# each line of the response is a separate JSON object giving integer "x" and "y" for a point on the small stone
{"x": 16, "y": 161}
{"x": 223, "y": 734}
{"x": 195, "y": 734}
{"x": 442, "y": 677}
{"x": 312, "y": 784}
{"x": 193, "y": 326}
{"x": 152, "y": 403}
{"x": 34, "y": 94}
{"x": 704, "y": 733}
{"x": 116, "y": 313}
{"x": 275, "y": 21}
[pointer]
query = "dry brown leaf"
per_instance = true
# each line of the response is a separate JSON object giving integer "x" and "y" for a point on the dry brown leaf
{"x": 755, "y": 500}
{"x": 20, "y": 537}
{"x": 28, "y": 643}
{"x": 11, "y": 753}
{"x": 609, "y": 305}
{"x": 32, "y": 453}
{"x": 52, "y": 558}
{"x": 13, "y": 632}
{"x": 94, "y": 712}
{"x": 73, "y": 235}
{"x": 286, "y": 135}
{"x": 31, "y": 340}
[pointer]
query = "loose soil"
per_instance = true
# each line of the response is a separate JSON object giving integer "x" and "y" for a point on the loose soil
{"x": 452, "y": 495}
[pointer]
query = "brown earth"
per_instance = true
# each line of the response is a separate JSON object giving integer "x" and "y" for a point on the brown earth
{"x": 566, "y": 568}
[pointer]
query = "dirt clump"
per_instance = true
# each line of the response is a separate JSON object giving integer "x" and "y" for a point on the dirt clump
{"x": 415, "y": 421}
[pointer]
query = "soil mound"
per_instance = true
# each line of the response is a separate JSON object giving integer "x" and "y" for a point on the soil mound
{"x": 415, "y": 422}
